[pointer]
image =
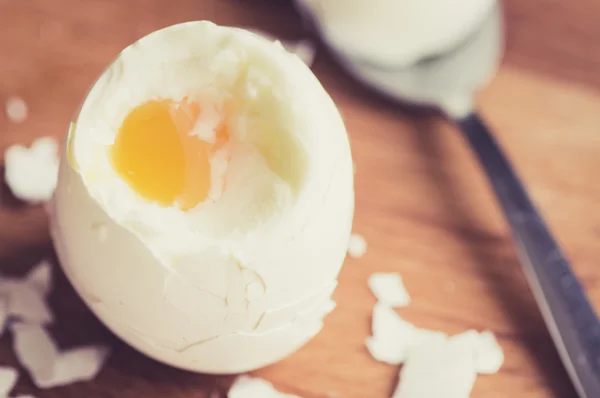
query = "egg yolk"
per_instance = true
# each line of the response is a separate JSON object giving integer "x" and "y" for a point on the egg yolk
{"x": 158, "y": 155}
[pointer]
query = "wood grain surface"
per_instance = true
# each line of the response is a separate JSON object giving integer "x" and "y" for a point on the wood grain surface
{"x": 421, "y": 200}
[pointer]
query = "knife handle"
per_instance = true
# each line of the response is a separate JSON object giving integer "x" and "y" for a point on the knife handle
{"x": 568, "y": 314}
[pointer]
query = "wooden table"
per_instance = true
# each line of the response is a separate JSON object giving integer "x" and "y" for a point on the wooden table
{"x": 422, "y": 202}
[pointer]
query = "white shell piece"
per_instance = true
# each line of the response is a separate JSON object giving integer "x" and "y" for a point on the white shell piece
{"x": 32, "y": 173}
{"x": 40, "y": 277}
{"x": 8, "y": 379}
{"x": 25, "y": 302}
{"x": 35, "y": 350}
{"x": 393, "y": 337}
{"x": 438, "y": 368}
{"x": 389, "y": 289}
{"x": 16, "y": 109}
{"x": 47, "y": 365}
{"x": 357, "y": 246}
{"x": 78, "y": 364}
{"x": 489, "y": 356}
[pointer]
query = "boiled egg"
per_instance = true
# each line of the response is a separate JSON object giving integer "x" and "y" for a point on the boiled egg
{"x": 395, "y": 33}
{"x": 205, "y": 199}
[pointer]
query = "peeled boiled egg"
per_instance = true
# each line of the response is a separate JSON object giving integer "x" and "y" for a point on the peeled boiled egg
{"x": 205, "y": 199}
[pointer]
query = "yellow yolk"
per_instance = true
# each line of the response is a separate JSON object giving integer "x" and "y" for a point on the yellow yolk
{"x": 157, "y": 156}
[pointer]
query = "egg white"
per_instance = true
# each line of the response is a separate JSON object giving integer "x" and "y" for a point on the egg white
{"x": 241, "y": 280}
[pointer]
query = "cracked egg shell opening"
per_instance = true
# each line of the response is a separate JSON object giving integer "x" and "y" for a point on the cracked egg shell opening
{"x": 224, "y": 283}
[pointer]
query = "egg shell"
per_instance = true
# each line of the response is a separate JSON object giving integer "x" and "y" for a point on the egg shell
{"x": 235, "y": 317}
